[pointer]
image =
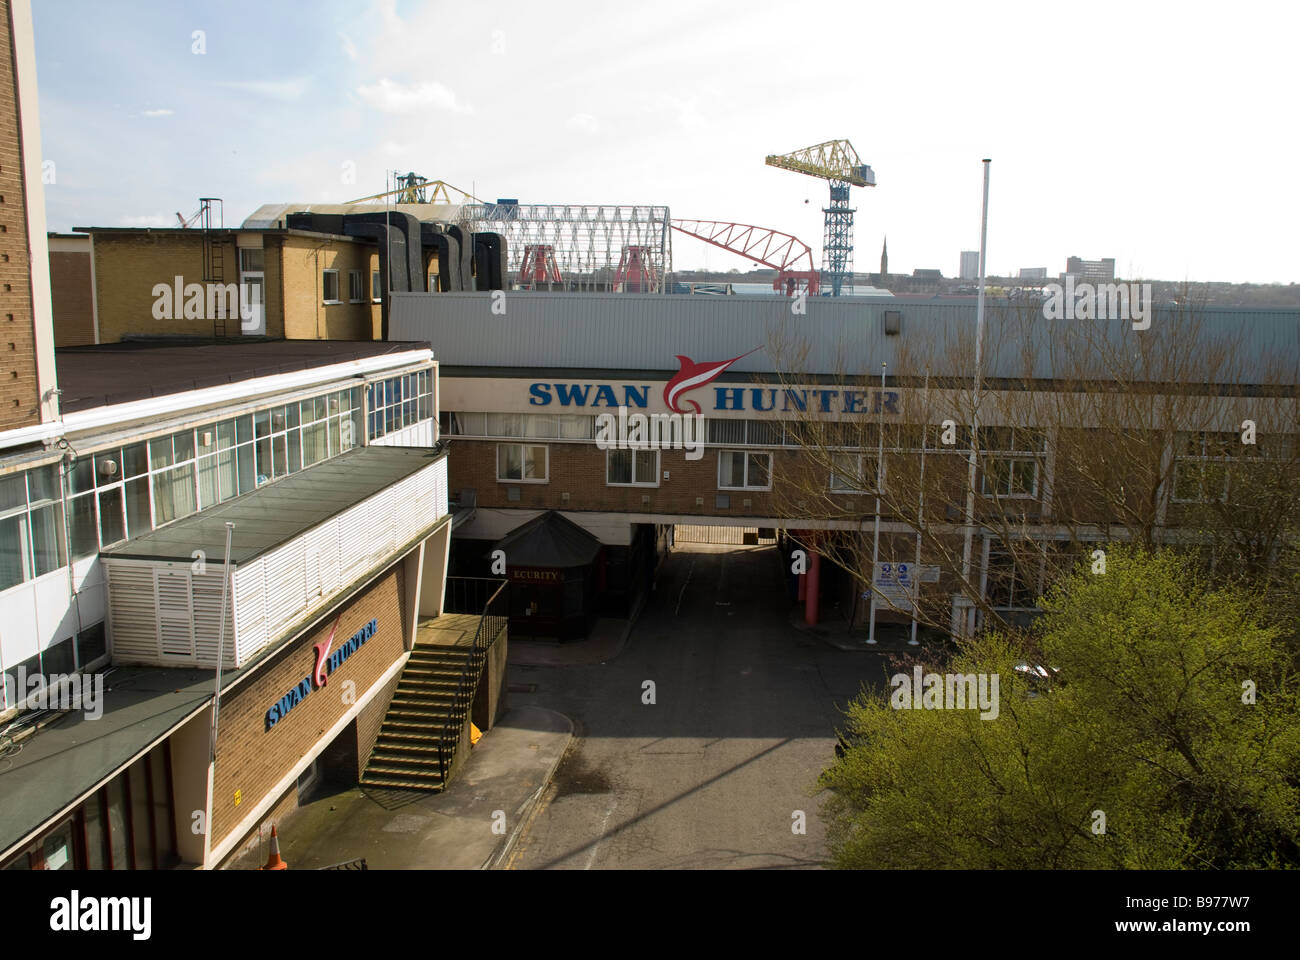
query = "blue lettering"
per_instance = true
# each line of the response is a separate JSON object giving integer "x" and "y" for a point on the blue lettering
{"x": 569, "y": 395}
{"x": 800, "y": 399}
{"x": 756, "y": 396}
{"x": 853, "y": 401}
{"x": 273, "y": 716}
{"x": 891, "y": 402}
{"x": 541, "y": 394}
{"x": 631, "y": 399}
{"x": 825, "y": 397}
{"x": 729, "y": 398}
{"x": 605, "y": 394}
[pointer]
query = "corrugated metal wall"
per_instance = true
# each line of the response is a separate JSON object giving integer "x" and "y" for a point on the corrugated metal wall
{"x": 646, "y": 332}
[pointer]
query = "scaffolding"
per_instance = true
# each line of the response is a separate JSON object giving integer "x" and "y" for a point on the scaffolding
{"x": 588, "y": 243}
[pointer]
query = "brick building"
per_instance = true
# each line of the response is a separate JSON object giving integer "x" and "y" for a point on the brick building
{"x": 27, "y": 377}
{"x": 71, "y": 289}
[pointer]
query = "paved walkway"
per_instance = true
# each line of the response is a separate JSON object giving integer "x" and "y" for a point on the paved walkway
{"x": 604, "y": 643}
{"x": 473, "y": 825}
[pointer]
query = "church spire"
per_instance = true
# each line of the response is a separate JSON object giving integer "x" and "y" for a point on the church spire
{"x": 884, "y": 259}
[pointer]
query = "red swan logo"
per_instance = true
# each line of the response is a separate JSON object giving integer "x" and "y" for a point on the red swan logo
{"x": 322, "y": 651}
{"x": 692, "y": 375}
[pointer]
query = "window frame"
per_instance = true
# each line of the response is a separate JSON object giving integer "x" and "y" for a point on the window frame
{"x": 861, "y": 457}
{"x": 634, "y": 482}
{"x": 746, "y": 454}
{"x": 1015, "y": 461}
{"x": 356, "y": 291}
{"x": 325, "y": 274}
{"x": 522, "y": 445}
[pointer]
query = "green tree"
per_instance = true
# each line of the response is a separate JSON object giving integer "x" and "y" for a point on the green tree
{"x": 1148, "y": 724}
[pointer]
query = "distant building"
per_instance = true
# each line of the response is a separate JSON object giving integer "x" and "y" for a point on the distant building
{"x": 1033, "y": 273}
{"x": 884, "y": 258}
{"x": 970, "y": 265}
{"x": 1091, "y": 270}
{"x": 920, "y": 274}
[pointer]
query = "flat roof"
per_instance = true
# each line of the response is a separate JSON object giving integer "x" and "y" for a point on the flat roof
{"x": 275, "y": 513}
{"x": 108, "y": 373}
{"x": 62, "y": 761}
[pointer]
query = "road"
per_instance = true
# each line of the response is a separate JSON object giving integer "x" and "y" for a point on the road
{"x": 712, "y": 774}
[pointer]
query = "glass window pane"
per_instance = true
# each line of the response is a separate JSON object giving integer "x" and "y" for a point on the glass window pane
{"x": 112, "y": 527}
{"x": 264, "y": 471}
{"x": 81, "y": 520}
{"x": 509, "y": 461}
{"x": 57, "y": 848}
{"x": 278, "y": 456}
{"x": 758, "y": 468}
{"x": 140, "y": 817}
{"x": 43, "y": 485}
{"x": 225, "y": 435}
{"x": 731, "y": 466}
{"x": 209, "y": 489}
{"x": 535, "y": 463}
{"x": 295, "y": 451}
{"x": 94, "y": 834}
{"x": 227, "y": 475}
{"x": 647, "y": 463}
{"x": 618, "y": 466}
{"x": 318, "y": 408}
{"x": 262, "y": 423}
{"x": 243, "y": 429}
{"x": 164, "y": 835}
{"x": 183, "y": 443}
{"x": 335, "y": 441}
{"x": 117, "y": 816}
{"x": 291, "y": 418}
{"x": 160, "y": 455}
{"x": 247, "y": 469}
{"x": 138, "y": 521}
{"x": 205, "y": 440}
{"x": 13, "y": 531}
{"x": 48, "y": 549}
{"x": 81, "y": 476}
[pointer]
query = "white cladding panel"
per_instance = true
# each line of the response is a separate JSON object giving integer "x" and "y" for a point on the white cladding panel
{"x": 167, "y": 614}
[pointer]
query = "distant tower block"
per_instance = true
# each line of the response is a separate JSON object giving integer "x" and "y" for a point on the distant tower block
{"x": 636, "y": 272}
{"x": 539, "y": 265}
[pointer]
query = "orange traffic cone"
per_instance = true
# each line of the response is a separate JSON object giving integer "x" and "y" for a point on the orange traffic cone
{"x": 274, "y": 862}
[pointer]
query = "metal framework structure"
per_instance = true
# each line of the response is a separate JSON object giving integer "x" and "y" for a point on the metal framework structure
{"x": 789, "y": 256}
{"x": 539, "y": 265}
{"x": 414, "y": 188}
{"x": 838, "y": 162}
{"x": 588, "y": 242}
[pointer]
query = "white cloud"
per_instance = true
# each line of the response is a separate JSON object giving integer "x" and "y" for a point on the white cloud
{"x": 284, "y": 90}
{"x": 584, "y": 122}
{"x": 389, "y": 96}
{"x": 349, "y": 47}
{"x": 157, "y": 113}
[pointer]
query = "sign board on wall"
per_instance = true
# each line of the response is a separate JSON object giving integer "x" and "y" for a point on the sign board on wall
{"x": 325, "y": 665}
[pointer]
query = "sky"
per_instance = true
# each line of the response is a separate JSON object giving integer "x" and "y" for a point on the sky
{"x": 1163, "y": 135}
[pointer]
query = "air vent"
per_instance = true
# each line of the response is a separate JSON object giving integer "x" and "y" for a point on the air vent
{"x": 893, "y": 322}
{"x": 699, "y": 501}
{"x": 107, "y": 468}
{"x": 645, "y": 499}
{"x": 512, "y": 494}
{"x": 722, "y": 501}
{"x": 564, "y": 497}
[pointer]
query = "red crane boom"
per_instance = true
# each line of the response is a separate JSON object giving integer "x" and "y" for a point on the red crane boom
{"x": 789, "y": 256}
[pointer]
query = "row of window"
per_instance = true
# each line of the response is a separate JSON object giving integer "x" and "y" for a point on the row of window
{"x": 356, "y": 286}
{"x": 399, "y": 402}
{"x": 127, "y": 491}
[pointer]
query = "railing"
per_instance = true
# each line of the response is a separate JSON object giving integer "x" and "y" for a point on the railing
{"x": 463, "y": 596}
{"x": 358, "y": 864}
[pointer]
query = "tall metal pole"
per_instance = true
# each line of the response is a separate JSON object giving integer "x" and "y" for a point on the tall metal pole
{"x": 221, "y": 644}
{"x": 968, "y": 627}
{"x": 880, "y": 464}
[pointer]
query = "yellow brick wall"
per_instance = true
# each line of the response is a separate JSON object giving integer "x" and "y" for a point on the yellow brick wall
{"x": 18, "y": 384}
{"x": 307, "y": 316}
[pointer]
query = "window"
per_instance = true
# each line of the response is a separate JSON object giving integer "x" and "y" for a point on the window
{"x": 634, "y": 468}
{"x": 768, "y": 433}
{"x": 522, "y": 462}
{"x": 853, "y": 473}
{"x": 1201, "y": 467}
{"x": 1007, "y": 477}
{"x": 1009, "y": 584}
{"x": 330, "y": 285}
{"x": 741, "y": 470}
{"x": 376, "y": 286}
{"x": 400, "y": 402}
{"x": 31, "y": 525}
{"x": 356, "y": 291}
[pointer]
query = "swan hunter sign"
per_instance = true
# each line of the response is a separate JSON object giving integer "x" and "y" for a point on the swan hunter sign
{"x": 326, "y": 664}
{"x": 692, "y": 376}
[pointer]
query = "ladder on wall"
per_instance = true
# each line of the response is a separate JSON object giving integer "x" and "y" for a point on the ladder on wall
{"x": 214, "y": 267}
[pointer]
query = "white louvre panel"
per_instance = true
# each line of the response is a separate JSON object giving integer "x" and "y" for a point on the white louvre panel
{"x": 175, "y": 621}
{"x": 277, "y": 589}
{"x": 250, "y": 603}
{"x": 207, "y": 618}
{"x": 132, "y": 611}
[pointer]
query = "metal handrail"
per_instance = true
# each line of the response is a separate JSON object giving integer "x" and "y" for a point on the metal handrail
{"x": 462, "y": 699}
